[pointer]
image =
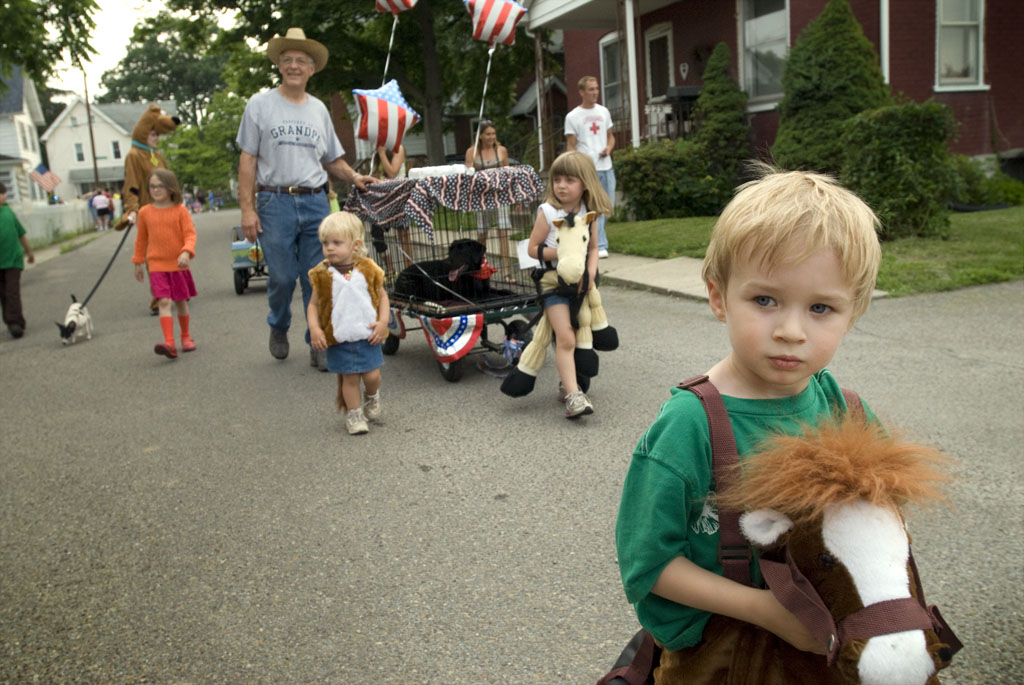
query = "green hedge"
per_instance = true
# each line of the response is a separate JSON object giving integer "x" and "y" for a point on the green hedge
{"x": 981, "y": 183}
{"x": 669, "y": 178}
{"x": 896, "y": 159}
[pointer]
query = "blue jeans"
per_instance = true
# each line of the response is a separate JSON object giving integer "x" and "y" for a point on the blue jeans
{"x": 607, "y": 179}
{"x": 291, "y": 247}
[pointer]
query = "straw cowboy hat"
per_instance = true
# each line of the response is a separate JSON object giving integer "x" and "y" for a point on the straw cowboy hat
{"x": 296, "y": 39}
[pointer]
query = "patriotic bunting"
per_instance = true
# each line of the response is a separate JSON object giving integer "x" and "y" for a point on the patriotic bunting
{"x": 495, "y": 21}
{"x": 396, "y": 327}
{"x": 46, "y": 179}
{"x": 384, "y": 116}
{"x": 452, "y": 338}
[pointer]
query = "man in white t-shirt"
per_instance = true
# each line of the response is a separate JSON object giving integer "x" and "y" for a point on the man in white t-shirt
{"x": 288, "y": 145}
{"x": 588, "y": 128}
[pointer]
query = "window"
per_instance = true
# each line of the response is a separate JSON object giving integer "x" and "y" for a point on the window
{"x": 765, "y": 37}
{"x": 79, "y": 152}
{"x": 612, "y": 95}
{"x": 23, "y": 134}
{"x": 116, "y": 146}
{"x": 958, "y": 61}
{"x": 660, "y": 74}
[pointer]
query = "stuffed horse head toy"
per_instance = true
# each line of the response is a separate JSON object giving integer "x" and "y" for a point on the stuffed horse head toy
{"x": 586, "y": 311}
{"x": 573, "y": 241}
{"x": 826, "y": 510}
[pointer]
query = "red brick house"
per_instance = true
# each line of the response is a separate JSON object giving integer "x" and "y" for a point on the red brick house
{"x": 967, "y": 54}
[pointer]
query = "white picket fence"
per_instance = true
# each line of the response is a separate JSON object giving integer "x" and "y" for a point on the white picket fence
{"x": 44, "y": 223}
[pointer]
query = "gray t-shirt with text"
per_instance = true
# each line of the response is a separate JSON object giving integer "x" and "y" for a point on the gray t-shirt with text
{"x": 291, "y": 142}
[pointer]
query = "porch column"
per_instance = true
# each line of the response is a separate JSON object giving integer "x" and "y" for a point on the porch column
{"x": 634, "y": 99}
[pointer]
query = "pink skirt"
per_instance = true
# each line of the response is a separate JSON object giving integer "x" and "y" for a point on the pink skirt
{"x": 176, "y": 285}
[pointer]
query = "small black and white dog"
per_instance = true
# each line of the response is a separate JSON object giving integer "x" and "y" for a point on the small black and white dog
{"x": 77, "y": 322}
{"x": 422, "y": 279}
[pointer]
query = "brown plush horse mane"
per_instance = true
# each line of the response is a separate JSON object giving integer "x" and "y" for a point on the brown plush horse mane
{"x": 837, "y": 463}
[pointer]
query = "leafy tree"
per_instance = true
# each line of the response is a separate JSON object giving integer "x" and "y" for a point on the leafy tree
{"x": 438, "y": 66}
{"x": 170, "y": 58}
{"x": 51, "y": 107}
{"x": 720, "y": 119}
{"x": 207, "y": 157}
{"x": 37, "y": 35}
{"x": 831, "y": 74}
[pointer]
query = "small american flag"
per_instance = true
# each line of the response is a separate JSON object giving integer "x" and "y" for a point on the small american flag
{"x": 395, "y": 6}
{"x": 495, "y": 20}
{"x": 384, "y": 115}
{"x": 46, "y": 179}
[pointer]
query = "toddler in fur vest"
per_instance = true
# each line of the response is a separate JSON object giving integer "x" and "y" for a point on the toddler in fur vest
{"x": 348, "y": 318}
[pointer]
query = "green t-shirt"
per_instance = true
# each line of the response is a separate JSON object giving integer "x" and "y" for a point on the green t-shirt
{"x": 12, "y": 256}
{"x": 664, "y": 511}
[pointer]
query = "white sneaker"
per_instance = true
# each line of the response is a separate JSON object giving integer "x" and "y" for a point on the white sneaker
{"x": 371, "y": 406}
{"x": 355, "y": 422}
{"x": 577, "y": 404}
{"x": 602, "y": 254}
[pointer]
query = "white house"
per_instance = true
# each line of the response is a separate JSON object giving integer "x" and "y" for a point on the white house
{"x": 20, "y": 114}
{"x": 69, "y": 146}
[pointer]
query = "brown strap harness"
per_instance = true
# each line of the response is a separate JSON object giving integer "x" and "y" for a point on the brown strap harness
{"x": 784, "y": 579}
{"x": 780, "y": 572}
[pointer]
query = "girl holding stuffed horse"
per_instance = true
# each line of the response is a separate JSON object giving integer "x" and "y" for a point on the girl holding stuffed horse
{"x": 166, "y": 244}
{"x": 573, "y": 189}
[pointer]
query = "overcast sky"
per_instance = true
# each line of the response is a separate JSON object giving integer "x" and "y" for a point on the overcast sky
{"x": 115, "y": 22}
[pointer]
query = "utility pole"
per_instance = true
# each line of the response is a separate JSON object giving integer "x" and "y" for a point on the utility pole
{"x": 92, "y": 141}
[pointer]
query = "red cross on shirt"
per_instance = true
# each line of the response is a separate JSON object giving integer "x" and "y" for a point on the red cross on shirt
{"x": 594, "y": 128}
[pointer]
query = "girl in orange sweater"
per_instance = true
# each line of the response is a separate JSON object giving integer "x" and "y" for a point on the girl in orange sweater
{"x": 166, "y": 243}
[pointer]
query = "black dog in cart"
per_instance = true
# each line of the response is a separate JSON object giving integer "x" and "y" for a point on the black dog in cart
{"x": 453, "y": 274}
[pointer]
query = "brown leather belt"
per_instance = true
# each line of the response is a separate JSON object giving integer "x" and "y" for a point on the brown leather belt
{"x": 292, "y": 190}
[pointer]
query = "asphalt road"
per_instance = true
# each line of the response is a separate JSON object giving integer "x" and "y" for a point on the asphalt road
{"x": 209, "y": 520}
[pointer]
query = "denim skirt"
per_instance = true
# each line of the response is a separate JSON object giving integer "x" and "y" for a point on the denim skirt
{"x": 358, "y": 356}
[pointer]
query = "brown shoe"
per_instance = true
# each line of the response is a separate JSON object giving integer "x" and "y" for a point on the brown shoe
{"x": 166, "y": 350}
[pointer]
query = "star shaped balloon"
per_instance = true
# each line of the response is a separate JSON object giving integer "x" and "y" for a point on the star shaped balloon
{"x": 384, "y": 115}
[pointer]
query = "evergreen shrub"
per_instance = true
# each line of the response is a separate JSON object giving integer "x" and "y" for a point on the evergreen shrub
{"x": 831, "y": 73}
{"x": 896, "y": 159}
{"x": 669, "y": 178}
{"x": 720, "y": 119}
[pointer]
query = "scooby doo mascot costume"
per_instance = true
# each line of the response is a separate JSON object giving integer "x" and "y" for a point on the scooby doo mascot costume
{"x": 141, "y": 159}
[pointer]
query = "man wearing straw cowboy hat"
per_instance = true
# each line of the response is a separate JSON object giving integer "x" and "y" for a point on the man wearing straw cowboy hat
{"x": 288, "y": 145}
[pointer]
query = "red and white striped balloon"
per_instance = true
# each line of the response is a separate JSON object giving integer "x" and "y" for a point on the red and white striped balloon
{"x": 384, "y": 116}
{"x": 495, "y": 21}
{"x": 395, "y": 6}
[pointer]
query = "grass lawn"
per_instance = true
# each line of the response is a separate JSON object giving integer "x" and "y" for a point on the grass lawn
{"x": 980, "y": 247}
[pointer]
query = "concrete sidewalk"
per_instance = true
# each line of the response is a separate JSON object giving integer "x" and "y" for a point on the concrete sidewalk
{"x": 679, "y": 276}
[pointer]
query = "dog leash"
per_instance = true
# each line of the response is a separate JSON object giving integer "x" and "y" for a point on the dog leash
{"x": 127, "y": 230}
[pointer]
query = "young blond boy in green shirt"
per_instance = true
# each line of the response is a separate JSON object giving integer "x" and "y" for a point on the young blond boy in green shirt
{"x": 790, "y": 267}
